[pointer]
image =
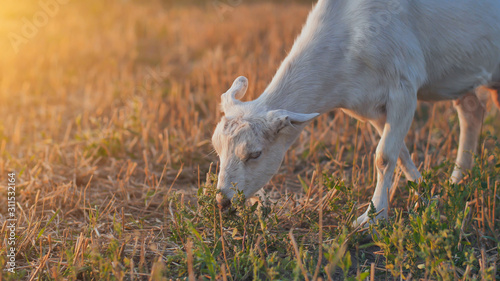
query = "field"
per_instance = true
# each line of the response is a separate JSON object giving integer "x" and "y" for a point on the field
{"x": 107, "y": 113}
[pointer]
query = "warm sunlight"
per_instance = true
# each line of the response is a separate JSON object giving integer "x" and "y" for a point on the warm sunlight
{"x": 111, "y": 166}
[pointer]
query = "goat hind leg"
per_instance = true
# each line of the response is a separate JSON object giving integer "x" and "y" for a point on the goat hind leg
{"x": 470, "y": 114}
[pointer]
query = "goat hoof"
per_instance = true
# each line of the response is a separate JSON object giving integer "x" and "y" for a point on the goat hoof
{"x": 365, "y": 221}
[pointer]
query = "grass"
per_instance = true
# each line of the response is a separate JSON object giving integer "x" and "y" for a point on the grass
{"x": 107, "y": 117}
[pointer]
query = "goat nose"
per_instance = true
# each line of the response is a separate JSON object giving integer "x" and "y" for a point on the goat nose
{"x": 222, "y": 201}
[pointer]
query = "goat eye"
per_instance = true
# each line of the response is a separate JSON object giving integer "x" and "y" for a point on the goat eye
{"x": 254, "y": 155}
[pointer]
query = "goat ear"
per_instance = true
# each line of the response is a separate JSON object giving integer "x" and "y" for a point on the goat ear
{"x": 281, "y": 119}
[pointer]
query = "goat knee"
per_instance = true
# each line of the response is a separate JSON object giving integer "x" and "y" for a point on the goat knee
{"x": 384, "y": 161}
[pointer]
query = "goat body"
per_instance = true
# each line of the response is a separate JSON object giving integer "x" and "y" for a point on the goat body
{"x": 373, "y": 59}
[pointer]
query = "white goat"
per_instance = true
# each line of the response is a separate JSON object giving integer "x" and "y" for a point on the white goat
{"x": 373, "y": 59}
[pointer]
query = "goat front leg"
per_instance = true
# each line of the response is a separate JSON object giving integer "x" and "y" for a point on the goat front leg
{"x": 470, "y": 114}
{"x": 400, "y": 110}
{"x": 407, "y": 166}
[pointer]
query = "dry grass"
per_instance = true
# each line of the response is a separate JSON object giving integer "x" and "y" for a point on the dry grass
{"x": 108, "y": 111}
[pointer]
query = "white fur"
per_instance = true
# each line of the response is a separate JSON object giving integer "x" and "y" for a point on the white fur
{"x": 373, "y": 59}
